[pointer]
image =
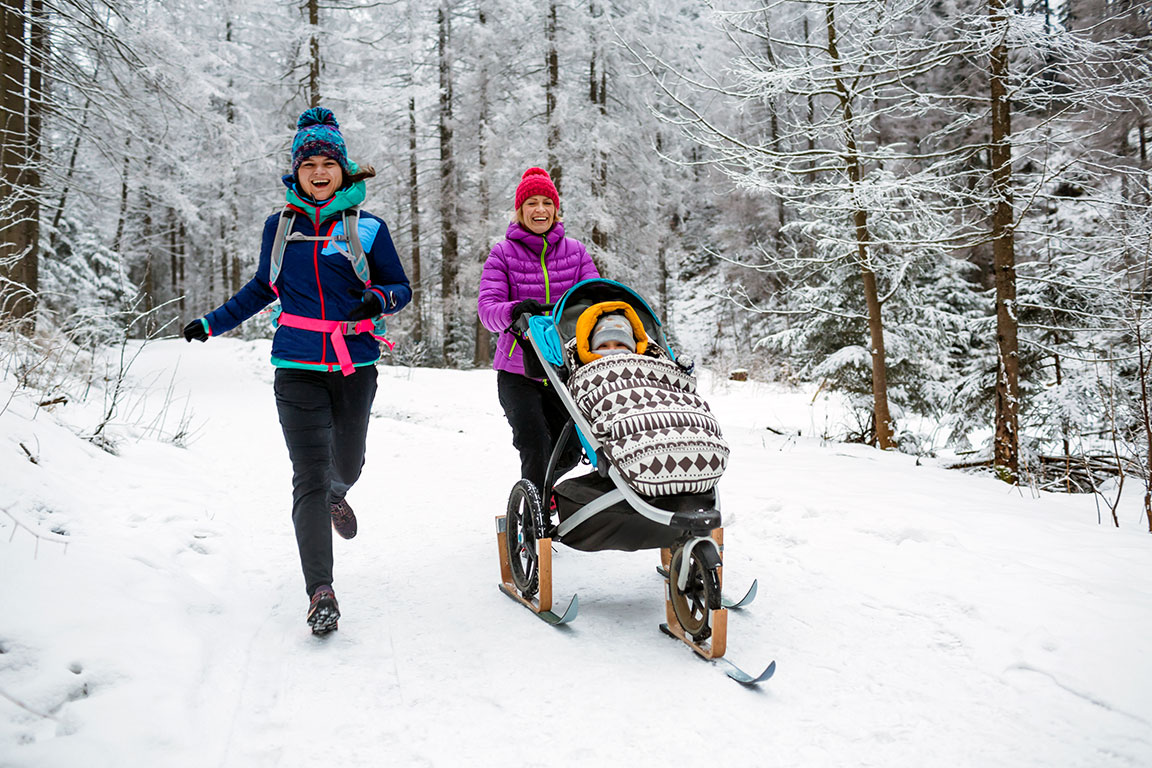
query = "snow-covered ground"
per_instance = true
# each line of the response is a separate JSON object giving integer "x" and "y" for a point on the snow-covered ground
{"x": 919, "y": 617}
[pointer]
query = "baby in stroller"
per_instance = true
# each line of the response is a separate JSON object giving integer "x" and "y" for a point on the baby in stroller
{"x": 654, "y": 446}
{"x": 643, "y": 406}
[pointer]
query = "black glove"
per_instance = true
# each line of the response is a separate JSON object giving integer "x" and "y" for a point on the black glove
{"x": 195, "y": 330}
{"x": 529, "y": 307}
{"x": 369, "y": 307}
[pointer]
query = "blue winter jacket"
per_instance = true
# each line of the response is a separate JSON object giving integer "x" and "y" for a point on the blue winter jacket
{"x": 316, "y": 280}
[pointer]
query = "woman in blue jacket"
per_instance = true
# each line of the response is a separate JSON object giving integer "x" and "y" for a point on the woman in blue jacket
{"x": 331, "y": 285}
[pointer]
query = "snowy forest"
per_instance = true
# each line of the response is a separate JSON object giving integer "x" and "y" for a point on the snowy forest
{"x": 942, "y": 208}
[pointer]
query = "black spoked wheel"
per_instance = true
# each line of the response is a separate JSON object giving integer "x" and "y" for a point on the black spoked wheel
{"x": 701, "y": 592}
{"x": 523, "y": 514}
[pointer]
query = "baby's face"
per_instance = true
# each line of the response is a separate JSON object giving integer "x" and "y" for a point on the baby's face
{"x": 612, "y": 346}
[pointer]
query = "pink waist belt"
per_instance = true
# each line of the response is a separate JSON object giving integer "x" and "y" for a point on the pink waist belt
{"x": 337, "y": 329}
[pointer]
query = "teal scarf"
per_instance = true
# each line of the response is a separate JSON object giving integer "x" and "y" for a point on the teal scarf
{"x": 345, "y": 198}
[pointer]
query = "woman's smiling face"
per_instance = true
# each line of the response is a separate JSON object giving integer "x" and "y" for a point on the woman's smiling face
{"x": 320, "y": 177}
{"x": 538, "y": 214}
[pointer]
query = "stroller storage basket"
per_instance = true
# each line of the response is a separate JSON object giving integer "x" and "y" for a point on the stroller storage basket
{"x": 619, "y": 526}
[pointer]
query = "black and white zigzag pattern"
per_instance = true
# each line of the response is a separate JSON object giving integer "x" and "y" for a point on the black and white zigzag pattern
{"x": 660, "y": 435}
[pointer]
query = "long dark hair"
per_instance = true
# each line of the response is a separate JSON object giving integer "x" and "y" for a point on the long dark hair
{"x": 366, "y": 172}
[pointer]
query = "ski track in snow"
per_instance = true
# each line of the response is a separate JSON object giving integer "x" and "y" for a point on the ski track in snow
{"x": 918, "y": 617}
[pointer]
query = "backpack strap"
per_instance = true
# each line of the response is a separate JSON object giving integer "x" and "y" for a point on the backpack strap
{"x": 350, "y": 218}
{"x": 352, "y": 235}
{"x": 279, "y": 243}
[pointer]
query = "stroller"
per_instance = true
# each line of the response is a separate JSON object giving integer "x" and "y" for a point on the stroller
{"x": 642, "y": 493}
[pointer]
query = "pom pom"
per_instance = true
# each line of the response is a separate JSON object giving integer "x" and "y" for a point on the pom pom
{"x": 317, "y": 116}
{"x": 535, "y": 172}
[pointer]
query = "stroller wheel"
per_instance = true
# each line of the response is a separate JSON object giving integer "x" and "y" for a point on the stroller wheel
{"x": 701, "y": 592}
{"x": 524, "y": 513}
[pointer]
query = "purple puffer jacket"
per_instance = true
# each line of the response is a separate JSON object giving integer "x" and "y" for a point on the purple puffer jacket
{"x": 518, "y": 268}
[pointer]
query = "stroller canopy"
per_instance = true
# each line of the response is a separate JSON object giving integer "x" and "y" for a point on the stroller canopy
{"x": 583, "y": 295}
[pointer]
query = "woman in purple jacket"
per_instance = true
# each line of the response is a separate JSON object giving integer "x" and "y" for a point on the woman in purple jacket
{"x": 525, "y": 273}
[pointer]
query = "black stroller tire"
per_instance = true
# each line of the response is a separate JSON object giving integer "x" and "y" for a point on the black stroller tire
{"x": 524, "y": 513}
{"x": 701, "y": 592}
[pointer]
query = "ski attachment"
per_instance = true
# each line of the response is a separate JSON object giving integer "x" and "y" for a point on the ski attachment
{"x": 541, "y": 602}
{"x": 700, "y": 618}
{"x": 547, "y": 616}
{"x": 708, "y": 651}
{"x": 744, "y": 678}
{"x": 749, "y": 596}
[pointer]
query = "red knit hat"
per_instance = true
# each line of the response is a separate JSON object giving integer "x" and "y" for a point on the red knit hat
{"x": 536, "y": 182}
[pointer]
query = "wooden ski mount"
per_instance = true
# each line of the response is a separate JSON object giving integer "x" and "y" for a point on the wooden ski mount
{"x": 541, "y": 603}
{"x": 715, "y": 646}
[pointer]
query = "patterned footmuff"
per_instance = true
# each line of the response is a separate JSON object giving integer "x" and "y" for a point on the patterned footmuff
{"x": 660, "y": 435}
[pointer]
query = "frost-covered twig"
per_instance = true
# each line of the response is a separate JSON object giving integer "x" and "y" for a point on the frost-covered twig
{"x": 18, "y": 524}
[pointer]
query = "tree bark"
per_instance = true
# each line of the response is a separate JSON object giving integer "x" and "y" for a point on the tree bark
{"x": 1006, "y": 447}
{"x": 880, "y": 411}
{"x": 148, "y": 282}
{"x": 16, "y": 250}
{"x": 414, "y": 212}
{"x": 598, "y": 95}
{"x": 37, "y": 58}
{"x": 314, "y": 53}
{"x": 121, "y": 221}
{"x": 174, "y": 284}
{"x": 551, "y": 89}
{"x": 482, "y": 338}
{"x": 774, "y": 128}
{"x": 449, "y": 257}
{"x": 66, "y": 186}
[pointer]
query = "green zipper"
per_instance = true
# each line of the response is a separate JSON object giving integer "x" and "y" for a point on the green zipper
{"x": 544, "y": 267}
{"x": 547, "y": 287}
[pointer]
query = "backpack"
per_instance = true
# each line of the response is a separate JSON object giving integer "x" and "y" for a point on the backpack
{"x": 350, "y": 222}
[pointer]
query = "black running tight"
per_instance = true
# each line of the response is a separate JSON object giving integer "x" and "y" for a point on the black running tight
{"x": 325, "y": 421}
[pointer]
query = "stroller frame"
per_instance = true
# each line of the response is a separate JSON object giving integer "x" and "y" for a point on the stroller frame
{"x": 525, "y": 533}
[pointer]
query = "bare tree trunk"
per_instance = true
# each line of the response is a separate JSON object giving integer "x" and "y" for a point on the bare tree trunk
{"x": 662, "y": 279}
{"x": 54, "y": 235}
{"x": 774, "y": 127}
{"x": 148, "y": 281}
{"x": 122, "y": 220}
{"x": 174, "y": 283}
{"x": 16, "y": 251}
{"x": 1006, "y": 447}
{"x": 1146, "y": 418}
{"x": 482, "y": 338}
{"x": 1143, "y": 370}
{"x": 598, "y": 96}
{"x": 414, "y": 212}
{"x": 226, "y": 278}
{"x": 811, "y": 103}
{"x": 881, "y": 414}
{"x": 228, "y": 226}
{"x": 448, "y": 235}
{"x": 182, "y": 260}
{"x": 551, "y": 89}
{"x": 37, "y": 59}
{"x": 314, "y": 53}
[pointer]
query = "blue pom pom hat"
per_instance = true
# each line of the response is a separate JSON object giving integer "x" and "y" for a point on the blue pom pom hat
{"x": 318, "y": 133}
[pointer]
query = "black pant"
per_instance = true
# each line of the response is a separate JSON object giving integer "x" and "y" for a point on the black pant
{"x": 536, "y": 415}
{"x": 325, "y": 421}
